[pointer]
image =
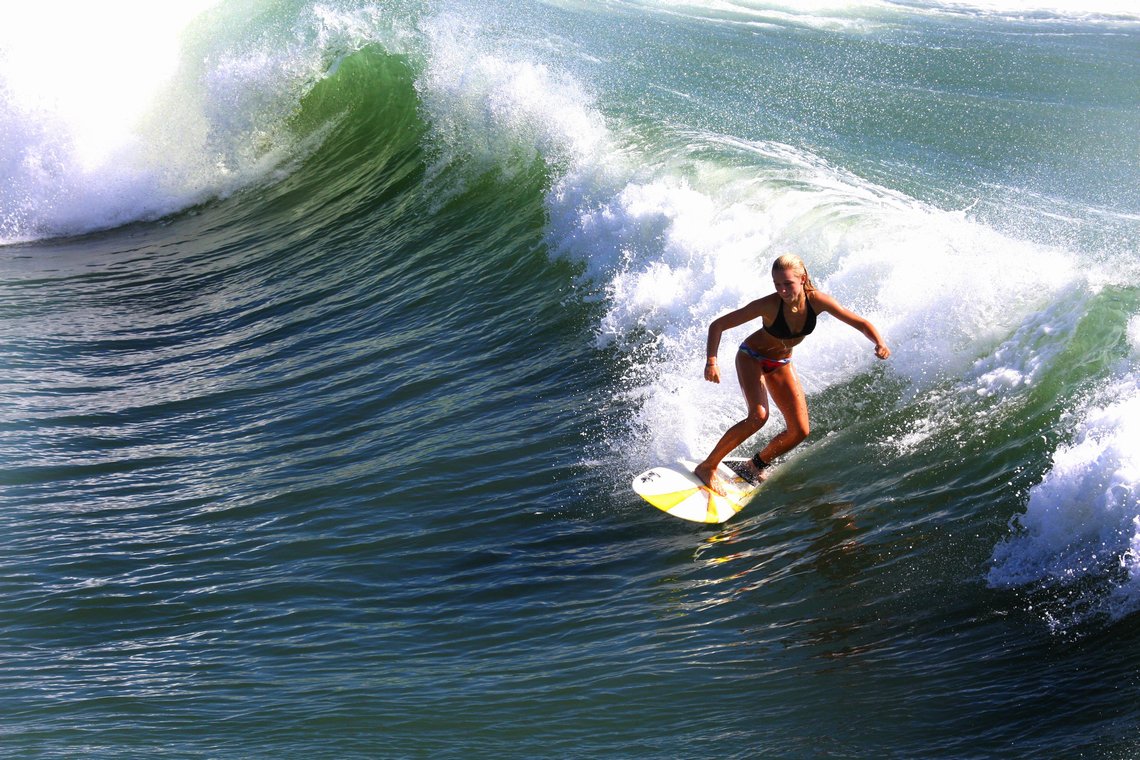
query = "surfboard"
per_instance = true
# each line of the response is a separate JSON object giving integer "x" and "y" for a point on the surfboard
{"x": 676, "y": 491}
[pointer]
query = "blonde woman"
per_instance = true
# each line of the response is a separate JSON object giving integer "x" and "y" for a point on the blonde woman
{"x": 764, "y": 364}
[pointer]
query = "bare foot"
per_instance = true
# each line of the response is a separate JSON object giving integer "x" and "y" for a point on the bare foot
{"x": 709, "y": 477}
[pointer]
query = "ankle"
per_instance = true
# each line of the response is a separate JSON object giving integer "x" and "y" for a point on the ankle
{"x": 759, "y": 463}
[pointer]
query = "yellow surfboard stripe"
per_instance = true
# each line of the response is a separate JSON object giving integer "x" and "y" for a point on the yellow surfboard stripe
{"x": 718, "y": 508}
{"x": 681, "y": 495}
{"x": 722, "y": 507}
{"x": 714, "y": 507}
{"x": 666, "y": 501}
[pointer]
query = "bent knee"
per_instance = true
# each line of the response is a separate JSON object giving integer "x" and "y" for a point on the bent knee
{"x": 758, "y": 416}
{"x": 799, "y": 432}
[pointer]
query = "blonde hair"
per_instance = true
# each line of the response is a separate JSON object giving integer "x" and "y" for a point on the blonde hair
{"x": 793, "y": 263}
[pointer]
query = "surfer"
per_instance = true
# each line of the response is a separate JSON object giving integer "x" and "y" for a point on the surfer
{"x": 763, "y": 364}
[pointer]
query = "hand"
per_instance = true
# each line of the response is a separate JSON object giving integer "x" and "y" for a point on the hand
{"x": 882, "y": 351}
{"x": 712, "y": 371}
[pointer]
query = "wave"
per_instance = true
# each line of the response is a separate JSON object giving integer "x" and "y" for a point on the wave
{"x": 669, "y": 221}
{"x": 125, "y": 114}
{"x": 202, "y": 99}
{"x": 1079, "y": 538}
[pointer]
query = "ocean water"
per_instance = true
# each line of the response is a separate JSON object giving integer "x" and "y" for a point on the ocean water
{"x": 332, "y": 334}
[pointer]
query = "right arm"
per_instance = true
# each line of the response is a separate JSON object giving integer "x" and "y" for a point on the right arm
{"x": 728, "y": 321}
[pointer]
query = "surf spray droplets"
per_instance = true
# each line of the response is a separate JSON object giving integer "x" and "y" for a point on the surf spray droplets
{"x": 142, "y": 110}
{"x": 1082, "y": 523}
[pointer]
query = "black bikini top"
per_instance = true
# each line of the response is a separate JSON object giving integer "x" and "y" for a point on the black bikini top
{"x": 779, "y": 327}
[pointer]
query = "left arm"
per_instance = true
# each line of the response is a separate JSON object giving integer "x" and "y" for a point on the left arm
{"x": 828, "y": 304}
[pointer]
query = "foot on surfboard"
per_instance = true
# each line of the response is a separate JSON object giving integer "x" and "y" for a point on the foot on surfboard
{"x": 708, "y": 476}
{"x": 676, "y": 490}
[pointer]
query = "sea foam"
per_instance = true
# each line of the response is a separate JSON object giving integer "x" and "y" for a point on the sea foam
{"x": 684, "y": 240}
{"x": 145, "y": 109}
{"x": 674, "y": 231}
{"x": 1083, "y": 520}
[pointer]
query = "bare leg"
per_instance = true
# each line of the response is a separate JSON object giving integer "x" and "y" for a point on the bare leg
{"x": 784, "y": 386}
{"x": 752, "y": 383}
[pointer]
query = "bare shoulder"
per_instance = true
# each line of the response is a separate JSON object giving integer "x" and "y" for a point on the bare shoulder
{"x": 767, "y": 306}
{"x": 821, "y": 301}
{"x": 770, "y": 301}
{"x": 760, "y": 308}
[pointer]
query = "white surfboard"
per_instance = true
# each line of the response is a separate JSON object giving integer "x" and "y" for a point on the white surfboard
{"x": 676, "y": 491}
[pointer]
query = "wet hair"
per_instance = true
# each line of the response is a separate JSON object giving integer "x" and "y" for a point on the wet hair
{"x": 793, "y": 263}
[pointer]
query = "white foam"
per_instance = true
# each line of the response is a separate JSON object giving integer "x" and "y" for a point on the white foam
{"x": 90, "y": 69}
{"x": 1083, "y": 519}
{"x": 1019, "y": 361}
{"x": 687, "y": 239}
{"x": 1098, "y": 10}
{"x": 825, "y": 15}
{"x": 76, "y": 86}
{"x": 121, "y": 111}
{"x": 494, "y": 102}
{"x": 849, "y": 15}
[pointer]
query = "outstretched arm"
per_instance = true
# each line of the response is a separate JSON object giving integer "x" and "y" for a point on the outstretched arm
{"x": 863, "y": 325}
{"x": 727, "y": 322}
